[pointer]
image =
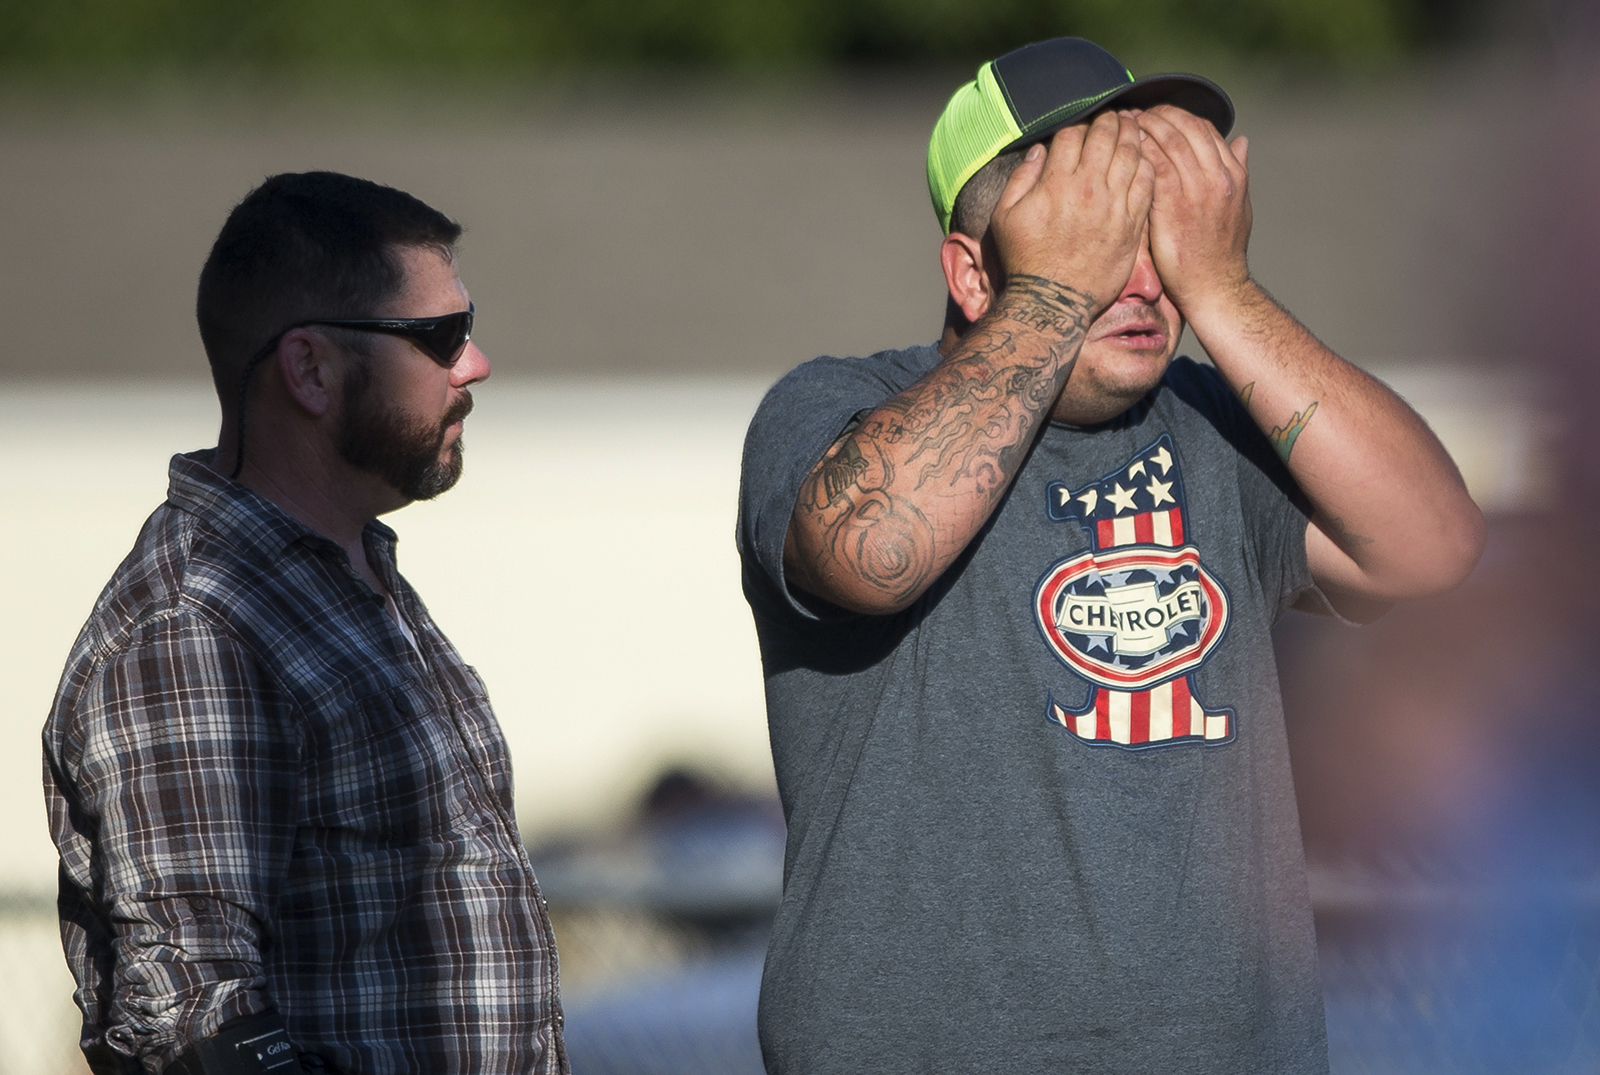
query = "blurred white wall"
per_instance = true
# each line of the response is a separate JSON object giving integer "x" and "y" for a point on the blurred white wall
{"x": 585, "y": 565}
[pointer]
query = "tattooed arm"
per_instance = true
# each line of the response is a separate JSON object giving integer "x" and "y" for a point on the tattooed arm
{"x": 895, "y": 501}
{"x": 1393, "y": 518}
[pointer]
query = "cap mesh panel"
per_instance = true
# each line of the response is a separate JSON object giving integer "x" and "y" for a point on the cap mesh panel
{"x": 974, "y": 127}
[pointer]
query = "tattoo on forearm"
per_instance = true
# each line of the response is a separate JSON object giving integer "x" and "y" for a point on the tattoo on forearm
{"x": 960, "y": 433}
{"x": 886, "y": 542}
{"x": 840, "y": 471}
{"x": 1284, "y": 436}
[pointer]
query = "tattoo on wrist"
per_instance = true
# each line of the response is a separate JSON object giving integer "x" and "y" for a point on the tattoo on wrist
{"x": 1046, "y": 306}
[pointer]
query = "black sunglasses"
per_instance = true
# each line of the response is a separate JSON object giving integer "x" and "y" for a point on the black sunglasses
{"x": 443, "y": 338}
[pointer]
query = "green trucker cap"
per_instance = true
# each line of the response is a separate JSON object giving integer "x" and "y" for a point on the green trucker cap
{"x": 1027, "y": 95}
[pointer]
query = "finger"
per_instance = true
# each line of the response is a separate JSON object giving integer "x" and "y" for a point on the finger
{"x": 1061, "y": 155}
{"x": 1023, "y": 178}
{"x": 1161, "y": 165}
{"x": 1126, "y": 158}
{"x": 1141, "y": 192}
{"x": 1100, "y": 143}
{"x": 1241, "y": 150}
{"x": 1181, "y": 164}
{"x": 1210, "y": 150}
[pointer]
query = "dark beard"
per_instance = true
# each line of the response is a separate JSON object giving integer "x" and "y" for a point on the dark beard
{"x": 400, "y": 449}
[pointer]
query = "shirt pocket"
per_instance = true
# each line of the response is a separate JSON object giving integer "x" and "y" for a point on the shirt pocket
{"x": 387, "y": 768}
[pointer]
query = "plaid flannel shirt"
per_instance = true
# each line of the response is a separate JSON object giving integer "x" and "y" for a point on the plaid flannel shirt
{"x": 263, "y": 796}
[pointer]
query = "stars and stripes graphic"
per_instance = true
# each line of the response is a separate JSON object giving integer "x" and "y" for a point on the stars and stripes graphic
{"x": 1138, "y": 613}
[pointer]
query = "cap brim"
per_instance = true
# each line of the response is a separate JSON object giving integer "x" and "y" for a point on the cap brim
{"x": 1191, "y": 93}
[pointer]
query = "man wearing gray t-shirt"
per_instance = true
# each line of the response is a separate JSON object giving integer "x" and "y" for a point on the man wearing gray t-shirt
{"x": 1014, "y": 593}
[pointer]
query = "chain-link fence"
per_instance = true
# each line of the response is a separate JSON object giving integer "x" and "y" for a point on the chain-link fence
{"x": 1462, "y": 979}
{"x": 1448, "y": 987}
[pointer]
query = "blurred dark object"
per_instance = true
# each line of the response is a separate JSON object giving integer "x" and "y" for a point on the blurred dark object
{"x": 662, "y": 931}
{"x": 711, "y": 859}
{"x": 411, "y": 36}
{"x": 1447, "y": 761}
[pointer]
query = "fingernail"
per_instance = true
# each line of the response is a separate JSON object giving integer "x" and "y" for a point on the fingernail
{"x": 1035, "y": 151}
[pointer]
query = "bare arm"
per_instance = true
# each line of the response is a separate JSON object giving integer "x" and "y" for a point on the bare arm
{"x": 896, "y": 500}
{"x": 1392, "y": 516}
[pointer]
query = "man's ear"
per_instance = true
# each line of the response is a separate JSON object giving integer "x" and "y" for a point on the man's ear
{"x": 966, "y": 274}
{"x": 305, "y": 361}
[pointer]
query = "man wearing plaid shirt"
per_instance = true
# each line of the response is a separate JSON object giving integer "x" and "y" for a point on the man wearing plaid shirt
{"x": 282, "y": 803}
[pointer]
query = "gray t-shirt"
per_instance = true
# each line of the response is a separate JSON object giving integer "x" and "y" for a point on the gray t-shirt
{"x": 1042, "y": 820}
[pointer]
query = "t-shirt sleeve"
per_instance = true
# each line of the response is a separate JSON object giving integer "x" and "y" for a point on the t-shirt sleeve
{"x": 800, "y": 418}
{"x": 1275, "y": 510}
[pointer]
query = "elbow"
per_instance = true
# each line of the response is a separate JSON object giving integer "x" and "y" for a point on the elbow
{"x": 852, "y": 592}
{"x": 868, "y": 603}
{"x": 1447, "y": 560}
{"x": 1459, "y": 548}
{"x": 868, "y": 574}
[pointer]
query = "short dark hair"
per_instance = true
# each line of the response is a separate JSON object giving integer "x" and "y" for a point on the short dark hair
{"x": 974, "y": 205}
{"x": 305, "y": 245}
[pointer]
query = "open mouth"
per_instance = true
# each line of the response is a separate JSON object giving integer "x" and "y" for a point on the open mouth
{"x": 1140, "y": 335}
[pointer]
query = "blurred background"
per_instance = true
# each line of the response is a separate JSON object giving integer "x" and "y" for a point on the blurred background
{"x": 671, "y": 202}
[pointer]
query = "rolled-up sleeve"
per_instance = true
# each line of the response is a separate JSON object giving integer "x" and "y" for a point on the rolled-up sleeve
{"x": 184, "y": 766}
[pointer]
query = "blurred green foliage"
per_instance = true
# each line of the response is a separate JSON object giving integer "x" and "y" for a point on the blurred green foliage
{"x": 492, "y": 36}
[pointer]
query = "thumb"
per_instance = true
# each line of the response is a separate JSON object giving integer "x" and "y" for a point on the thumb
{"x": 1024, "y": 178}
{"x": 1241, "y": 148}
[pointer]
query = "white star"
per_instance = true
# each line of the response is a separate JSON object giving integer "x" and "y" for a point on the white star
{"x": 1160, "y": 491}
{"x": 1137, "y": 468}
{"x": 1098, "y": 642}
{"x": 1115, "y": 579}
{"x": 1122, "y": 498}
{"x": 1162, "y": 459}
{"x": 1090, "y": 499}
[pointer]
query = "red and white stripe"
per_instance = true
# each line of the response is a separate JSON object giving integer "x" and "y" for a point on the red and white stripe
{"x": 1167, "y": 711}
{"x": 1163, "y": 713}
{"x": 1145, "y": 528}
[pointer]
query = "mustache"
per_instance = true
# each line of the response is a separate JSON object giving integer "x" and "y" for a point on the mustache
{"x": 458, "y": 410}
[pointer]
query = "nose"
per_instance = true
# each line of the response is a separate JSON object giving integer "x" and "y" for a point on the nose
{"x": 1143, "y": 284}
{"x": 470, "y": 368}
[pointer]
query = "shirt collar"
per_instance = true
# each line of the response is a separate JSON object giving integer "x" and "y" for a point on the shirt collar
{"x": 248, "y": 521}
